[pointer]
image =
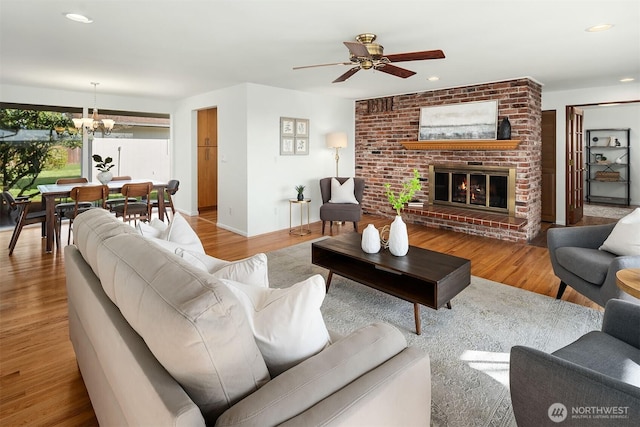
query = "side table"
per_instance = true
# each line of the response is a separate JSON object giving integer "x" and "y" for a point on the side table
{"x": 628, "y": 279}
{"x": 300, "y": 231}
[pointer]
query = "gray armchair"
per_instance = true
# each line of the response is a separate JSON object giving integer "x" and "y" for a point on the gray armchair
{"x": 578, "y": 263}
{"x": 340, "y": 211}
{"x": 597, "y": 374}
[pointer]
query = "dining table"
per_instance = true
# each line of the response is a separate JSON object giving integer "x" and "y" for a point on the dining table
{"x": 51, "y": 192}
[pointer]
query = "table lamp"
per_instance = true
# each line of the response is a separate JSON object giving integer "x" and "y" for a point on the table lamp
{"x": 337, "y": 140}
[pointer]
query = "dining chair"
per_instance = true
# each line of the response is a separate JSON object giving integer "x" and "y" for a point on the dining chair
{"x": 118, "y": 200}
{"x": 169, "y": 192}
{"x": 137, "y": 202}
{"x": 24, "y": 217}
{"x": 63, "y": 204}
{"x": 96, "y": 195}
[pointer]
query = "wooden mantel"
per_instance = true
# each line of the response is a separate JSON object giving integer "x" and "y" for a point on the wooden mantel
{"x": 462, "y": 144}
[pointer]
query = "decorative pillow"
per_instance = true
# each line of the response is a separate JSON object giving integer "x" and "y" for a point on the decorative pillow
{"x": 343, "y": 193}
{"x": 625, "y": 236}
{"x": 287, "y": 323}
{"x": 251, "y": 270}
{"x": 179, "y": 234}
{"x": 154, "y": 228}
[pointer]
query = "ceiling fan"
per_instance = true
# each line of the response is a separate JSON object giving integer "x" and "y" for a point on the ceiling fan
{"x": 365, "y": 55}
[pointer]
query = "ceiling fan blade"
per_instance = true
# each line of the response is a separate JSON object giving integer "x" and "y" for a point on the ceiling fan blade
{"x": 346, "y": 75}
{"x": 396, "y": 71}
{"x": 416, "y": 56}
{"x": 322, "y": 65}
{"x": 357, "y": 49}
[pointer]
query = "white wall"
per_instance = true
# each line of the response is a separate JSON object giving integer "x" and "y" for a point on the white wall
{"x": 254, "y": 181}
{"x": 558, "y": 101}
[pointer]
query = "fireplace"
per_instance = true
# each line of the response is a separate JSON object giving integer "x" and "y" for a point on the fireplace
{"x": 486, "y": 188}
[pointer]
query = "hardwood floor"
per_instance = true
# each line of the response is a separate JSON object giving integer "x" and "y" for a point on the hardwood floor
{"x": 39, "y": 380}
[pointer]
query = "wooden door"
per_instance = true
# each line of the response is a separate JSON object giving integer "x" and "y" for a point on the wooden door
{"x": 575, "y": 164}
{"x": 207, "y": 159}
{"x": 548, "y": 164}
{"x": 207, "y": 177}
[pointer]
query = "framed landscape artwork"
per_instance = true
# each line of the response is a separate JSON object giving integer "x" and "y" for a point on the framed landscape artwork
{"x": 468, "y": 120}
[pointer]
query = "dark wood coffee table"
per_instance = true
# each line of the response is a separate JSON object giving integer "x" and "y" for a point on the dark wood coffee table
{"x": 420, "y": 277}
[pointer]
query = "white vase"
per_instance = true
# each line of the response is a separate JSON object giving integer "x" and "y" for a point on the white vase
{"x": 104, "y": 177}
{"x": 398, "y": 237}
{"x": 370, "y": 239}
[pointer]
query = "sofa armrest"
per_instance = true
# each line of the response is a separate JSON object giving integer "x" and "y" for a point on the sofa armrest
{"x": 610, "y": 288}
{"x": 588, "y": 236}
{"x": 538, "y": 380}
{"x": 318, "y": 377}
{"x": 622, "y": 321}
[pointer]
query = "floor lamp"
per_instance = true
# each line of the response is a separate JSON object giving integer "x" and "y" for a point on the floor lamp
{"x": 337, "y": 140}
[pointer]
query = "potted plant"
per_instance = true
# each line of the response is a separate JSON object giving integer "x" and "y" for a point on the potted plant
{"x": 398, "y": 236}
{"x": 104, "y": 166}
{"x": 300, "y": 190}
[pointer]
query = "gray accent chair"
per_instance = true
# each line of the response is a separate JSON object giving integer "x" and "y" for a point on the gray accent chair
{"x": 599, "y": 370}
{"x": 578, "y": 263}
{"x": 340, "y": 211}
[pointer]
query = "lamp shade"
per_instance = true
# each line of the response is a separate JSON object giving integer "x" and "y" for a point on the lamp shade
{"x": 337, "y": 140}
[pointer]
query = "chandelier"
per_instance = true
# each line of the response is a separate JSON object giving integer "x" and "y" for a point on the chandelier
{"x": 93, "y": 124}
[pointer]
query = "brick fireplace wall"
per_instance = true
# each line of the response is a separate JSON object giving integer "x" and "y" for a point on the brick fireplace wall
{"x": 382, "y": 124}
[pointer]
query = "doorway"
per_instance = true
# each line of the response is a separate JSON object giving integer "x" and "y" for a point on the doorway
{"x": 207, "y": 159}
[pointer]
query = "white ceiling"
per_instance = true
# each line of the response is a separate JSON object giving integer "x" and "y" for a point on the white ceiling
{"x": 175, "y": 49}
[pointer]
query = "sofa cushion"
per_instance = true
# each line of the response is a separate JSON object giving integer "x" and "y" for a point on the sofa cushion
{"x": 191, "y": 322}
{"x": 287, "y": 323}
{"x": 252, "y": 270}
{"x": 343, "y": 193}
{"x": 591, "y": 265}
{"x": 625, "y": 236}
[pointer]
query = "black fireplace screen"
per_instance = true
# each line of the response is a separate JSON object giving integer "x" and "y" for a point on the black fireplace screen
{"x": 478, "y": 189}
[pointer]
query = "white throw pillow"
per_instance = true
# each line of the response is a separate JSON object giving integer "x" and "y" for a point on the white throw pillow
{"x": 287, "y": 323}
{"x": 343, "y": 193}
{"x": 625, "y": 236}
{"x": 251, "y": 271}
{"x": 178, "y": 234}
{"x": 154, "y": 228}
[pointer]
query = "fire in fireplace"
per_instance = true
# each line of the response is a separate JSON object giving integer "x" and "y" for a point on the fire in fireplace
{"x": 490, "y": 188}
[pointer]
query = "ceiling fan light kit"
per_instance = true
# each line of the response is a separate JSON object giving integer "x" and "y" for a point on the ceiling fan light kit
{"x": 364, "y": 54}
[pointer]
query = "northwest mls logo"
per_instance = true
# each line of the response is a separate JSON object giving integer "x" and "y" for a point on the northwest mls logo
{"x": 557, "y": 412}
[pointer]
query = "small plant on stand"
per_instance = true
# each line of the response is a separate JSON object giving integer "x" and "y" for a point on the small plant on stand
{"x": 300, "y": 190}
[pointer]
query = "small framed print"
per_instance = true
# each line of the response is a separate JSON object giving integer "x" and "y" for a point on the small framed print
{"x": 287, "y": 126}
{"x": 302, "y": 146}
{"x": 302, "y": 127}
{"x": 287, "y": 147}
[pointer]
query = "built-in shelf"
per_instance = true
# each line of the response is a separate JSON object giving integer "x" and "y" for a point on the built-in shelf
{"x": 463, "y": 144}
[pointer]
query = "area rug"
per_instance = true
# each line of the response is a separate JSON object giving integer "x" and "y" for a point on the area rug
{"x": 605, "y": 211}
{"x": 468, "y": 345}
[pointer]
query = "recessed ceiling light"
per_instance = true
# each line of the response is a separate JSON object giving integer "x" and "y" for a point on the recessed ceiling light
{"x": 627, "y": 79}
{"x": 433, "y": 78}
{"x": 79, "y": 18}
{"x": 599, "y": 27}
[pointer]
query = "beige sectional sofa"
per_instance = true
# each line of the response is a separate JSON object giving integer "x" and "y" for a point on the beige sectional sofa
{"x": 160, "y": 342}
